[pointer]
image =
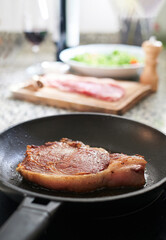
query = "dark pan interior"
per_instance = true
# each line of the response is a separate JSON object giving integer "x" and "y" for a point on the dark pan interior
{"x": 113, "y": 133}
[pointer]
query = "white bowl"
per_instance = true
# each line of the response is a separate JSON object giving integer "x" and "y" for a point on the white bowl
{"x": 102, "y": 71}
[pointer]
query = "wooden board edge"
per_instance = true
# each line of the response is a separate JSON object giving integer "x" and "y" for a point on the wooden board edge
{"x": 22, "y": 93}
{"x": 60, "y": 103}
{"x": 138, "y": 98}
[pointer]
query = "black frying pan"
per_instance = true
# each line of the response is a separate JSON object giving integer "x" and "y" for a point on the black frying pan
{"x": 110, "y": 132}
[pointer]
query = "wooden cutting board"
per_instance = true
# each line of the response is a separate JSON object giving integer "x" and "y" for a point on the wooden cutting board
{"x": 135, "y": 91}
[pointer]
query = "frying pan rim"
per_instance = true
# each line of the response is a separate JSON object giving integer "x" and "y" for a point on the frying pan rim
{"x": 25, "y": 193}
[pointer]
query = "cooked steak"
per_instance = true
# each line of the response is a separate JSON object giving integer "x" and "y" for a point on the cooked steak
{"x": 73, "y": 166}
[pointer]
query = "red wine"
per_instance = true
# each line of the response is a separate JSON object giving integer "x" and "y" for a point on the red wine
{"x": 35, "y": 37}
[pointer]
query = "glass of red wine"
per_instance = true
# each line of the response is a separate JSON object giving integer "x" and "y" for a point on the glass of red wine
{"x": 35, "y": 21}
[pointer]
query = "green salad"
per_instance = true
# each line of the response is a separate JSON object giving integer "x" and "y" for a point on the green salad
{"x": 115, "y": 58}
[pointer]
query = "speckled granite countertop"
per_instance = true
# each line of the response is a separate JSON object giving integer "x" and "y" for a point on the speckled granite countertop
{"x": 151, "y": 110}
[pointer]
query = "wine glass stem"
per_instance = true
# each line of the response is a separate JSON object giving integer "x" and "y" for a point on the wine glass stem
{"x": 35, "y": 50}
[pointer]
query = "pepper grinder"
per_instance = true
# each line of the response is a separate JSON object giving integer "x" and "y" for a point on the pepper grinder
{"x": 152, "y": 48}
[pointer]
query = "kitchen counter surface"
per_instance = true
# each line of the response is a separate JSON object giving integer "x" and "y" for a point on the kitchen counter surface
{"x": 151, "y": 110}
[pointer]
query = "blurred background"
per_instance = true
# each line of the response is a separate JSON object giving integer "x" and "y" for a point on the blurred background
{"x": 94, "y": 21}
{"x": 95, "y": 16}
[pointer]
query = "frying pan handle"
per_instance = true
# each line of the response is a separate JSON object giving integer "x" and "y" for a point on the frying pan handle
{"x": 29, "y": 220}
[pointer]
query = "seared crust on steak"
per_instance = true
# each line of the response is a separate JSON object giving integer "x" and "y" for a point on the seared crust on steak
{"x": 73, "y": 166}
